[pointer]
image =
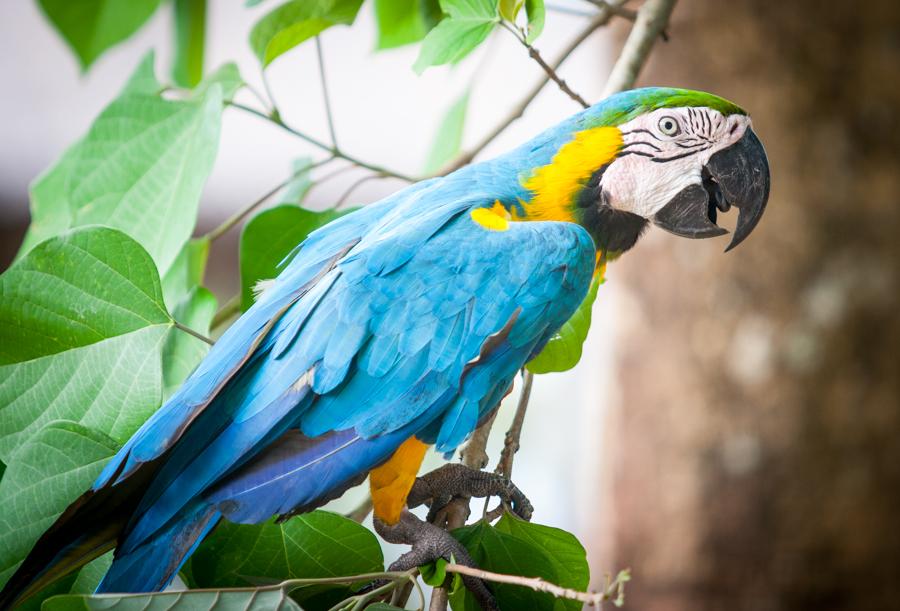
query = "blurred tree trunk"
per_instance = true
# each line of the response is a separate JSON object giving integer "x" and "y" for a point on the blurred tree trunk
{"x": 756, "y": 449}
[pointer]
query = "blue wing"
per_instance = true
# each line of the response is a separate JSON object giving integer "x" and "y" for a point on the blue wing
{"x": 405, "y": 318}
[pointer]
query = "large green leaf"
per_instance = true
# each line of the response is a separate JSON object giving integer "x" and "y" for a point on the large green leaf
{"x": 45, "y": 474}
{"x": 563, "y": 351}
{"x": 82, "y": 323}
{"x": 401, "y": 22}
{"x": 248, "y": 599}
{"x": 296, "y": 21}
{"x": 190, "y": 34}
{"x": 90, "y": 27}
{"x": 494, "y": 550}
{"x": 467, "y": 24}
{"x": 311, "y": 545}
{"x": 140, "y": 168}
{"x": 536, "y": 13}
{"x": 448, "y": 141}
{"x": 565, "y": 554}
{"x": 269, "y": 237}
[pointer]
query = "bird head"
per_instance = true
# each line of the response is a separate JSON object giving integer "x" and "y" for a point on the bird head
{"x": 671, "y": 157}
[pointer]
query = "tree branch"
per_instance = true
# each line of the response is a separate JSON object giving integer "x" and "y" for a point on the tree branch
{"x": 651, "y": 21}
{"x": 511, "y": 441}
{"x": 602, "y": 18}
{"x": 615, "y": 589}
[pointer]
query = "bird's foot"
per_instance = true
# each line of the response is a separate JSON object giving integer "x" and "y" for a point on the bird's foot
{"x": 437, "y": 488}
{"x": 428, "y": 544}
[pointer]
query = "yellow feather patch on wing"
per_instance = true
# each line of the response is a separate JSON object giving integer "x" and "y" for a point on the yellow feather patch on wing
{"x": 391, "y": 482}
{"x": 555, "y": 185}
{"x": 495, "y": 218}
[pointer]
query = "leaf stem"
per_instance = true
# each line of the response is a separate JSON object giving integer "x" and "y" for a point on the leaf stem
{"x": 240, "y": 215}
{"x": 275, "y": 118}
{"x": 325, "y": 96}
{"x": 190, "y": 331}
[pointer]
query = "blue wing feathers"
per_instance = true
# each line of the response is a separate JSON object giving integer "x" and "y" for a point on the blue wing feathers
{"x": 382, "y": 326}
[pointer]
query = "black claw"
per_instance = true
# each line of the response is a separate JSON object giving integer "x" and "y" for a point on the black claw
{"x": 438, "y": 488}
{"x": 428, "y": 544}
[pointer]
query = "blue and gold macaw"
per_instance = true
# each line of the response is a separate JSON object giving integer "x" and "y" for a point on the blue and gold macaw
{"x": 401, "y": 326}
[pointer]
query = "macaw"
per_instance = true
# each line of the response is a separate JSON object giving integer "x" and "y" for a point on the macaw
{"x": 401, "y": 326}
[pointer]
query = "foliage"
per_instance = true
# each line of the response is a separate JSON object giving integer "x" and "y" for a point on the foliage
{"x": 104, "y": 312}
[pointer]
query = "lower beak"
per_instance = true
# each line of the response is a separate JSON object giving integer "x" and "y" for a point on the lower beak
{"x": 736, "y": 176}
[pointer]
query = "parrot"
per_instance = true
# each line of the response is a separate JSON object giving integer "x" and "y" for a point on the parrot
{"x": 399, "y": 327}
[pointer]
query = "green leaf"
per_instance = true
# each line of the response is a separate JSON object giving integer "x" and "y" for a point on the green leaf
{"x": 382, "y": 607}
{"x": 90, "y": 27}
{"x": 448, "y": 140}
{"x": 269, "y": 237}
{"x": 494, "y": 550}
{"x": 563, "y": 351}
{"x": 182, "y": 352}
{"x": 296, "y": 21}
{"x": 227, "y": 76}
{"x": 45, "y": 474}
{"x": 434, "y": 573}
{"x": 190, "y": 32}
{"x": 400, "y": 22}
{"x": 467, "y": 24}
{"x": 535, "y": 10}
{"x": 82, "y": 323}
{"x": 140, "y": 168}
{"x": 186, "y": 272}
{"x": 302, "y": 182}
{"x": 311, "y": 545}
{"x": 191, "y": 305}
{"x": 565, "y": 554}
{"x": 509, "y": 9}
{"x": 245, "y": 599}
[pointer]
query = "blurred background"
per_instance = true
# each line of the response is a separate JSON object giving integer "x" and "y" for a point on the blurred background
{"x": 732, "y": 433}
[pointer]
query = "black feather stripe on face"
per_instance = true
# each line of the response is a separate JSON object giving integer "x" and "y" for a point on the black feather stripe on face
{"x": 614, "y": 231}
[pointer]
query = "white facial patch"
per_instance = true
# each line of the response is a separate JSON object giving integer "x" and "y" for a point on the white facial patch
{"x": 663, "y": 153}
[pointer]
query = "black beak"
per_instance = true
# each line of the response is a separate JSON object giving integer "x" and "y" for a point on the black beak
{"x": 736, "y": 176}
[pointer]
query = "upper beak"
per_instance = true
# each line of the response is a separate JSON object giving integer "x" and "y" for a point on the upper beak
{"x": 736, "y": 176}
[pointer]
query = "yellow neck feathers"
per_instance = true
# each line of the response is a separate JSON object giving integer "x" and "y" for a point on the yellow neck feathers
{"x": 556, "y": 185}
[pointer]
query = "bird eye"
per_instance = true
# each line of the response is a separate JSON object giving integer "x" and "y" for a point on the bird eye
{"x": 669, "y": 126}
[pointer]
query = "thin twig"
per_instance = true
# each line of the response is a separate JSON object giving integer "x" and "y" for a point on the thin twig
{"x": 190, "y": 331}
{"x": 651, "y": 21}
{"x": 536, "y": 56}
{"x": 602, "y": 18}
{"x": 592, "y": 599}
{"x": 275, "y": 119}
{"x": 353, "y": 186}
{"x": 511, "y": 441}
{"x": 325, "y": 96}
{"x": 362, "y": 510}
{"x": 228, "y": 309}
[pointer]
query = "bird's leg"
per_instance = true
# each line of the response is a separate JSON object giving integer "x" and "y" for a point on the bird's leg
{"x": 439, "y": 487}
{"x": 428, "y": 544}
